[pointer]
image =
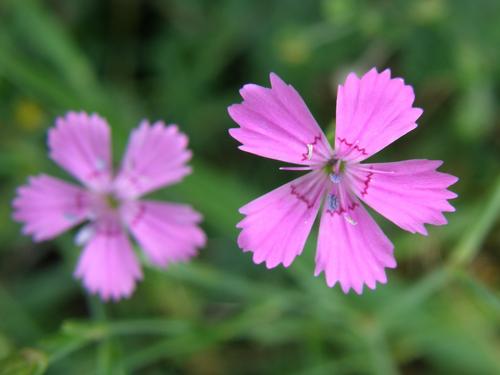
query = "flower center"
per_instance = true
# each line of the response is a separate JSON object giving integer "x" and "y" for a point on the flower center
{"x": 338, "y": 201}
{"x": 103, "y": 204}
{"x": 335, "y": 168}
{"x": 111, "y": 201}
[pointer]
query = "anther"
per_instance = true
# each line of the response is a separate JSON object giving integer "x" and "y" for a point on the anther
{"x": 309, "y": 151}
{"x": 333, "y": 202}
{"x": 100, "y": 164}
{"x": 70, "y": 216}
{"x": 335, "y": 178}
{"x": 84, "y": 235}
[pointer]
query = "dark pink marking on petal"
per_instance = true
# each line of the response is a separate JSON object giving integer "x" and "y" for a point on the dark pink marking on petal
{"x": 366, "y": 184}
{"x": 354, "y": 147}
{"x": 81, "y": 200}
{"x": 95, "y": 173}
{"x": 342, "y": 210}
{"x": 141, "y": 210}
{"x": 301, "y": 197}
{"x": 107, "y": 228}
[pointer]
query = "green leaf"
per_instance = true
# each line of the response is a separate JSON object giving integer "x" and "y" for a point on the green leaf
{"x": 25, "y": 362}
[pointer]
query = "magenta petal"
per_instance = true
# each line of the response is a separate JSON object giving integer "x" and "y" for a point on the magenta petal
{"x": 276, "y": 123}
{"x": 80, "y": 143}
{"x": 410, "y": 193}
{"x": 156, "y": 156}
{"x": 167, "y": 232}
{"x": 372, "y": 112}
{"x": 48, "y": 206}
{"x": 352, "y": 249}
{"x": 108, "y": 265}
{"x": 277, "y": 224}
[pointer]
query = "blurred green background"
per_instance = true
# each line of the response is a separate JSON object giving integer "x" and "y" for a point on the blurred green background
{"x": 183, "y": 61}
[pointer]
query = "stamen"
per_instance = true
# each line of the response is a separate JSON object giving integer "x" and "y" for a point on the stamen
{"x": 100, "y": 165}
{"x": 305, "y": 168}
{"x": 310, "y": 148}
{"x": 84, "y": 235}
{"x": 335, "y": 178}
{"x": 70, "y": 216}
{"x": 354, "y": 146}
{"x": 365, "y": 169}
{"x": 333, "y": 202}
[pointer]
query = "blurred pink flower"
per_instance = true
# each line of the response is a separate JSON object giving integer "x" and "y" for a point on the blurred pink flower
{"x": 372, "y": 112}
{"x": 156, "y": 156}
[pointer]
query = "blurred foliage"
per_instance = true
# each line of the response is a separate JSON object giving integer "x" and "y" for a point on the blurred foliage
{"x": 183, "y": 61}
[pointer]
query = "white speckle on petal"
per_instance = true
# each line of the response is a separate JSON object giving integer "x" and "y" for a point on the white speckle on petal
{"x": 350, "y": 220}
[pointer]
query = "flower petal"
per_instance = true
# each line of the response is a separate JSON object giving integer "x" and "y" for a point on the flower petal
{"x": 352, "y": 249}
{"x": 156, "y": 156}
{"x": 276, "y": 123}
{"x": 80, "y": 143}
{"x": 108, "y": 265}
{"x": 277, "y": 224}
{"x": 372, "y": 112}
{"x": 48, "y": 206}
{"x": 167, "y": 232}
{"x": 410, "y": 193}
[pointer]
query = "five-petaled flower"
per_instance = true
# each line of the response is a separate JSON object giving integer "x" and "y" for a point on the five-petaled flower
{"x": 156, "y": 156}
{"x": 372, "y": 112}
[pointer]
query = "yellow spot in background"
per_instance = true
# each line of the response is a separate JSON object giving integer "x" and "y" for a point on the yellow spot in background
{"x": 28, "y": 115}
{"x": 428, "y": 11}
{"x": 294, "y": 50}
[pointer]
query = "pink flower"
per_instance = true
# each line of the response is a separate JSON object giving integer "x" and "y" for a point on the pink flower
{"x": 156, "y": 156}
{"x": 372, "y": 112}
